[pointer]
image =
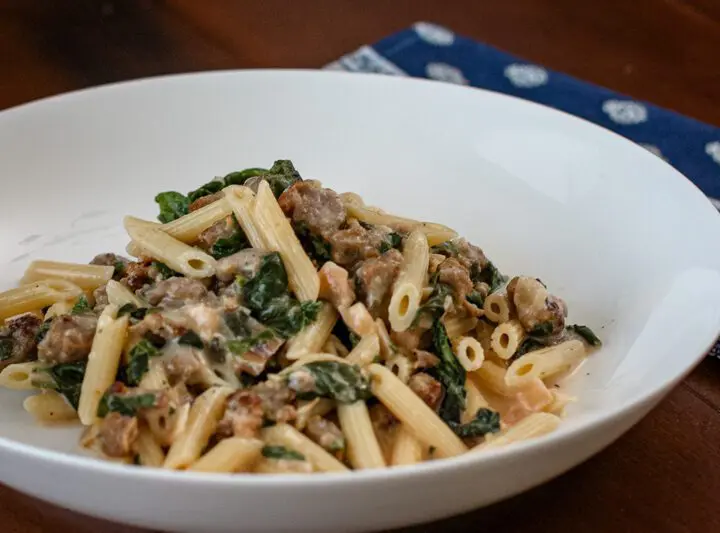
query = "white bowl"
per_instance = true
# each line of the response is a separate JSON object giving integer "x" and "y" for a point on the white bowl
{"x": 625, "y": 239}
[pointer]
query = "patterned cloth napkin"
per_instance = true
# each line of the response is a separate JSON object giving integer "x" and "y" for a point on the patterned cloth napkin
{"x": 430, "y": 51}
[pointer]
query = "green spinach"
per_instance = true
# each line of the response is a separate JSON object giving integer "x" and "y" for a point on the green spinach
{"x": 434, "y": 306}
{"x": 392, "y": 240}
{"x": 138, "y": 313}
{"x": 476, "y": 298}
{"x": 447, "y": 248}
{"x": 127, "y": 405}
{"x": 586, "y": 333}
{"x": 543, "y": 329}
{"x": 450, "y": 373}
{"x": 164, "y": 271}
{"x": 317, "y": 248}
{"x": 528, "y": 345}
{"x": 209, "y": 188}
{"x": 338, "y": 381}
{"x": 44, "y": 328}
{"x": 119, "y": 269}
{"x": 172, "y": 205}
{"x": 225, "y": 246}
{"x": 241, "y": 346}
{"x": 67, "y": 379}
{"x": 191, "y": 338}
{"x": 139, "y": 361}
{"x": 281, "y": 176}
{"x": 241, "y": 176}
{"x": 489, "y": 275}
{"x": 281, "y": 452}
{"x": 485, "y": 421}
{"x": 81, "y": 306}
{"x": 6, "y": 348}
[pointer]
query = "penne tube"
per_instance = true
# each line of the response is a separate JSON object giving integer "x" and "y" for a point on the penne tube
{"x": 315, "y": 407}
{"x": 497, "y": 307}
{"x": 507, "y": 338}
{"x": 408, "y": 286}
{"x": 242, "y": 200}
{"x": 545, "y": 362}
{"x": 473, "y": 401}
{"x": 288, "y": 436}
{"x": 277, "y": 232}
{"x": 406, "y": 450}
{"x": 87, "y": 277}
{"x": 59, "y": 308}
{"x": 531, "y": 427}
{"x": 492, "y": 377}
{"x": 387, "y": 348}
{"x": 358, "y": 319}
{"x": 235, "y": 454}
{"x": 189, "y": 261}
{"x": 312, "y": 358}
{"x": 35, "y": 296}
{"x": 365, "y": 351}
{"x": 155, "y": 378}
{"x": 103, "y": 362}
{"x": 401, "y": 366}
{"x": 24, "y": 376}
{"x": 434, "y": 233}
{"x": 457, "y": 327}
{"x": 49, "y": 406}
{"x": 119, "y": 295}
{"x": 205, "y": 413}
{"x": 363, "y": 448}
{"x": 313, "y": 337}
{"x": 416, "y": 416}
{"x": 149, "y": 452}
{"x": 469, "y": 353}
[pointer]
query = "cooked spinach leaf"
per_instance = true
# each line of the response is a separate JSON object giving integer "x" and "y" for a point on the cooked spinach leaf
{"x": 489, "y": 274}
{"x": 392, "y": 240}
{"x": 586, "y": 333}
{"x": 450, "y": 373}
{"x": 172, "y": 205}
{"x": 134, "y": 311}
{"x": 267, "y": 297}
{"x": 119, "y": 270}
{"x": 447, "y": 248}
{"x": 44, "y": 327}
{"x": 226, "y": 246}
{"x": 241, "y": 176}
{"x": 241, "y": 346}
{"x": 317, "y": 248}
{"x": 139, "y": 361}
{"x": 476, "y": 298}
{"x": 164, "y": 271}
{"x": 434, "y": 306}
{"x": 67, "y": 380}
{"x": 528, "y": 345}
{"x": 486, "y": 421}
{"x": 81, "y": 306}
{"x": 338, "y": 381}
{"x": 127, "y": 405}
{"x": 281, "y": 452}
{"x": 281, "y": 175}
{"x": 191, "y": 339}
{"x": 541, "y": 330}
{"x": 6, "y": 348}
{"x": 209, "y": 188}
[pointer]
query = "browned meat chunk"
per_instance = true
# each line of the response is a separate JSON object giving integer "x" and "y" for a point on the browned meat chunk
{"x": 335, "y": 286}
{"x": 18, "y": 339}
{"x": 356, "y": 243}
{"x": 182, "y": 364}
{"x": 320, "y": 210}
{"x": 222, "y": 229}
{"x": 244, "y": 263}
{"x": 119, "y": 262}
{"x": 427, "y": 388}
{"x": 158, "y": 324}
{"x": 374, "y": 278}
{"x": 408, "y": 339}
{"x": 243, "y": 416}
{"x": 205, "y": 200}
{"x": 425, "y": 359}
{"x": 326, "y": 434}
{"x": 68, "y": 339}
{"x": 469, "y": 254}
{"x": 539, "y": 312}
{"x": 453, "y": 273}
{"x": 176, "y": 292}
{"x": 138, "y": 274}
{"x": 276, "y": 398}
{"x": 117, "y": 434}
{"x": 101, "y": 298}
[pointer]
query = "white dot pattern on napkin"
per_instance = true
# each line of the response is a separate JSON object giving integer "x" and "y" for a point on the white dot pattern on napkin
{"x": 625, "y": 112}
{"x": 526, "y": 76}
{"x": 434, "y": 34}
{"x": 713, "y": 150}
{"x": 445, "y": 72}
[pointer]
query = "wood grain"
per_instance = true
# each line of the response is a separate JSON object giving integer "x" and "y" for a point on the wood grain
{"x": 664, "y": 475}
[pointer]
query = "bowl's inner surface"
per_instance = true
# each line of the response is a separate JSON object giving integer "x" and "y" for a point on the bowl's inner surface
{"x": 541, "y": 193}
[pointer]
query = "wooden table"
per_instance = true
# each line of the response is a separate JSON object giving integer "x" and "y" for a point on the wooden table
{"x": 664, "y": 475}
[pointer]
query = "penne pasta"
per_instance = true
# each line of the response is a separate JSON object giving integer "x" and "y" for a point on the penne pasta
{"x": 474, "y": 400}
{"x": 288, "y": 436}
{"x": 457, "y": 327}
{"x": 363, "y": 448}
{"x": 469, "y": 353}
{"x": 531, "y": 427}
{"x": 313, "y": 337}
{"x": 401, "y": 366}
{"x": 497, "y": 307}
{"x": 434, "y": 233}
{"x": 189, "y": 261}
{"x": 492, "y": 376}
{"x": 406, "y": 450}
{"x": 408, "y": 286}
{"x": 365, "y": 351}
{"x": 545, "y": 362}
{"x": 119, "y": 295}
{"x": 242, "y": 200}
{"x": 35, "y": 296}
{"x": 507, "y": 338}
{"x": 103, "y": 362}
{"x": 24, "y": 376}
{"x": 358, "y": 319}
{"x": 316, "y": 407}
{"x": 148, "y": 451}
{"x": 59, "y": 308}
{"x": 204, "y": 414}
{"x": 422, "y": 421}
{"x": 48, "y": 406}
{"x": 87, "y": 277}
{"x": 235, "y": 454}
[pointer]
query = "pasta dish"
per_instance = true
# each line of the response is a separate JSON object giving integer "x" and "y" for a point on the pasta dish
{"x": 269, "y": 325}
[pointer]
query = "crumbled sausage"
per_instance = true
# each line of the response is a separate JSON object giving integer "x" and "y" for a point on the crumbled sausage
{"x": 101, "y": 298}
{"x": 427, "y": 388}
{"x": 69, "y": 339}
{"x": 424, "y": 359}
{"x": 408, "y": 339}
{"x": 320, "y": 210}
{"x": 243, "y": 416}
{"x": 276, "y": 398}
{"x": 539, "y": 312}
{"x": 325, "y": 433}
{"x": 356, "y": 243}
{"x": 138, "y": 274}
{"x": 181, "y": 364}
{"x": 119, "y": 262}
{"x": 19, "y": 338}
{"x": 158, "y": 325}
{"x": 205, "y": 200}
{"x": 374, "y": 278}
{"x": 244, "y": 263}
{"x": 335, "y": 286}
{"x": 453, "y": 273}
{"x": 222, "y": 229}
{"x": 469, "y": 254}
{"x": 117, "y": 434}
{"x": 176, "y": 292}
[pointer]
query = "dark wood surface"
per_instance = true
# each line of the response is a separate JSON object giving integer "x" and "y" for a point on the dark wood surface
{"x": 664, "y": 475}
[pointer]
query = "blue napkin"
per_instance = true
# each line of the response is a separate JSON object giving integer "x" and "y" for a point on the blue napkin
{"x": 430, "y": 51}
